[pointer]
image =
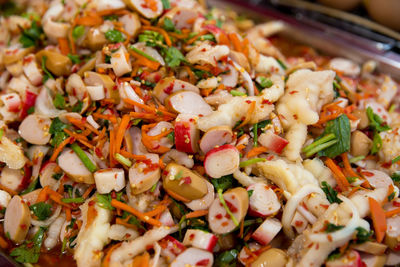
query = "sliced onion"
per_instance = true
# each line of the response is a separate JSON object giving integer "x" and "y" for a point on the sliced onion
{"x": 307, "y": 214}
{"x": 49, "y": 220}
{"x": 44, "y": 105}
{"x": 343, "y": 233}
{"x": 293, "y": 203}
{"x": 246, "y": 77}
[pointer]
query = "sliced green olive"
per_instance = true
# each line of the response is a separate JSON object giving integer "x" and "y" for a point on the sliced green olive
{"x": 56, "y": 63}
{"x": 184, "y": 182}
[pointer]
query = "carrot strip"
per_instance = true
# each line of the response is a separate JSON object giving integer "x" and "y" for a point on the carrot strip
{"x": 161, "y": 31}
{"x": 347, "y": 165}
{"x": 142, "y": 260}
{"x": 87, "y": 192}
{"x": 63, "y": 45}
{"x": 392, "y": 212}
{"x": 161, "y": 135}
{"x": 378, "y": 219}
{"x": 241, "y": 229}
{"x": 71, "y": 39}
{"x": 121, "y": 132}
{"x": 338, "y": 174}
{"x": 160, "y": 209}
{"x": 248, "y": 115}
{"x": 8, "y": 190}
{"x": 112, "y": 140}
{"x": 68, "y": 215}
{"x": 147, "y": 108}
{"x": 92, "y": 19}
{"x": 124, "y": 223}
{"x": 237, "y": 44}
{"x": 196, "y": 213}
{"x": 43, "y": 195}
{"x": 60, "y": 147}
{"x": 256, "y": 151}
{"x": 144, "y": 61}
{"x": 192, "y": 76}
{"x": 176, "y": 196}
{"x": 105, "y": 117}
{"x": 91, "y": 214}
{"x": 132, "y": 156}
{"x": 118, "y": 204}
{"x": 3, "y": 243}
{"x": 107, "y": 258}
{"x": 240, "y": 147}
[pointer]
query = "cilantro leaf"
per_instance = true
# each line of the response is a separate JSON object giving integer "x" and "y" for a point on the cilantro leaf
{"x": 114, "y": 36}
{"x": 330, "y": 227}
{"x": 104, "y": 201}
{"x": 173, "y": 57}
{"x": 340, "y": 127}
{"x": 227, "y": 258}
{"x": 376, "y": 143}
{"x": 78, "y": 32}
{"x": 59, "y": 101}
{"x": 363, "y": 235}
{"x": 330, "y": 193}
{"x": 166, "y": 4}
{"x": 395, "y": 177}
{"x": 47, "y": 75}
{"x": 31, "y": 36}
{"x": 57, "y": 126}
{"x": 376, "y": 122}
{"x": 223, "y": 183}
{"x": 264, "y": 82}
{"x": 30, "y": 251}
{"x": 78, "y": 107}
{"x": 41, "y": 210}
{"x": 74, "y": 58}
{"x": 169, "y": 25}
{"x": 171, "y": 137}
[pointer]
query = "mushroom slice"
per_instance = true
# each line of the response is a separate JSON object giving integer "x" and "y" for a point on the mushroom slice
{"x": 17, "y": 219}
{"x": 188, "y": 102}
{"x": 149, "y": 9}
{"x": 35, "y": 129}
{"x": 72, "y": 165}
{"x": 57, "y": 63}
{"x": 216, "y": 136}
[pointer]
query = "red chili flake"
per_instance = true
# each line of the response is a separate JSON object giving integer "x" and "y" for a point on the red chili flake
{"x": 23, "y": 226}
{"x": 203, "y": 262}
{"x": 293, "y": 92}
{"x": 169, "y": 88}
{"x": 165, "y": 172}
{"x": 201, "y": 115}
{"x": 266, "y": 101}
{"x": 113, "y": 194}
{"x": 367, "y": 173}
{"x": 92, "y": 202}
{"x": 248, "y": 101}
{"x": 386, "y": 165}
{"x": 203, "y": 50}
{"x": 324, "y": 206}
{"x": 224, "y": 223}
{"x": 397, "y": 247}
{"x": 231, "y": 207}
{"x": 295, "y": 116}
{"x": 27, "y": 59}
{"x": 187, "y": 180}
{"x": 396, "y": 204}
{"x": 329, "y": 238}
{"x": 191, "y": 236}
{"x": 98, "y": 152}
{"x": 270, "y": 157}
{"x": 218, "y": 216}
{"x": 298, "y": 223}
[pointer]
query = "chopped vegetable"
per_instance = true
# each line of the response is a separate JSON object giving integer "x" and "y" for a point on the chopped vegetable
{"x": 29, "y": 252}
{"x": 340, "y": 127}
{"x": 41, "y": 210}
{"x": 330, "y": 193}
{"x": 84, "y": 158}
{"x": 114, "y": 36}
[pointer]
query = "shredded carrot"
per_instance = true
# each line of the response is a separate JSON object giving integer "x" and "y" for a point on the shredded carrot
{"x": 43, "y": 194}
{"x": 206, "y": 91}
{"x": 141, "y": 260}
{"x": 60, "y": 147}
{"x": 158, "y": 210}
{"x": 245, "y": 47}
{"x": 161, "y": 31}
{"x": 392, "y": 212}
{"x": 192, "y": 76}
{"x": 8, "y": 190}
{"x": 144, "y": 21}
{"x": 105, "y": 117}
{"x": 240, "y": 147}
{"x": 91, "y": 214}
{"x": 378, "y": 219}
{"x": 3, "y": 243}
{"x": 390, "y": 191}
{"x": 132, "y": 156}
{"x": 71, "y": 39}
{"x": 161, "y": 135}
{"x": 196, "y": 213}
{"x": 107, "y": 258}
{"x": 248, "y": 115}
{"x": 111, "y": 147}
{"x": 87, "y": 192}
{"x": 347, "y": 166}
{"x": 256, "y": 151}
{"x": 176, "y": 196}
{"x": 241, "y": 229}
{"x": 92, "y": 19}
{"x": 125, "y": 222}
{"x": 148, "y": 108}
{"x": 118, "y": 204}
{"x": 223, "y": 39}
{"x": 338, "y": 174}
{"x": 63, "y": 45}
{"x": 68, "y": 215}
{"x": 237, "y": 44}
{"x": 145, "y": 61}
{"x": 121, "y": 132}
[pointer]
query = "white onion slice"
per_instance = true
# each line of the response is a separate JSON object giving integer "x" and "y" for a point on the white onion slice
{"x": 343, "y": 233}
{"x": 307, "y": 214}
{"x": 49, "y": 220}
{"x": 246, "y": 77}
{"x": 293, "y": 203}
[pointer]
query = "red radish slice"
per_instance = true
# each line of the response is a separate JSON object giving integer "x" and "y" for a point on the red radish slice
{"x": 188, "y": 102}
{"x": 170, "y": 85}
{"x": 267, "y": 231}
{"x": 193, "y": 257}
{"x": 222, "y": 161}
{"x": 237, "y": 201}
{"x": 272, "y": 141}
{"x": 263, "y": 200}
{"x": 187, "y": 134}
{"x": 12, "y": 102}
{"x": 204, "y": 202}
{"x": 35, "y": 129}
{"x": 30, "y": 99}
{"x": 216, "y": 136}
{"x": 350, "y": 259}
{"x": 200, "y": 239}
{"x": 171, "y": 248}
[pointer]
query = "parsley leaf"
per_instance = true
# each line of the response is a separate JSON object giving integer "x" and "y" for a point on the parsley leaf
{"x": 330, "y": 193}
{"x": 250, "y": 192}
{"x": 395, "y": 177}
{"x": 376, "y": 143}
{"x": 104, "y": 201}
{"x": 173, "y": 57}
{"x": 28, "y": 253}
{"x": 171, "y": 137}
{"x": 74, "y": 58}
{"x": 223, "y": 183}
{"x": 114, "y": 36}
{"x": 31, "y": 36}
{"x": 59, "y": 101}
{"x": 363, "y": 235}
{"x": 376, "y": 122}
{"x": 334, "y": 255}
{"x": 227, "y": 258}
{"x": 77, "y": 107}
{"x": 169, "y": 25}
{"x": 264, "y": 82}
{"x": 41, "y": 210}
{"x": 57, "y": 130}
{"x": 340, "y": 127}
{"x": 330, "y": 227}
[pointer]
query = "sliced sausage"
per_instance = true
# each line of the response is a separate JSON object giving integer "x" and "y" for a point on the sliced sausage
{"x": 237, "y": 201}
{"x": 184, "y": 182}
{"x": 141, "y": 179}
{"x": 72, "y": 165}
{"x": 216, "y": 136}
{"x": 17, "y": 219}
{"x": 35, "y": 129}
{"x": 47, "y": 173}
{"x": 188, "y": 102}
{"x": 263, "y": 200}
{"x": 222, "y": 161}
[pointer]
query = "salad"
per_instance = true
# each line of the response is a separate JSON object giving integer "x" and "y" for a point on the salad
{"x": 163, "y": 133}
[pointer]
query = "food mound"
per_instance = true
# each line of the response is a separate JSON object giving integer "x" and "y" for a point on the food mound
{"x": 163, "y": 133}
